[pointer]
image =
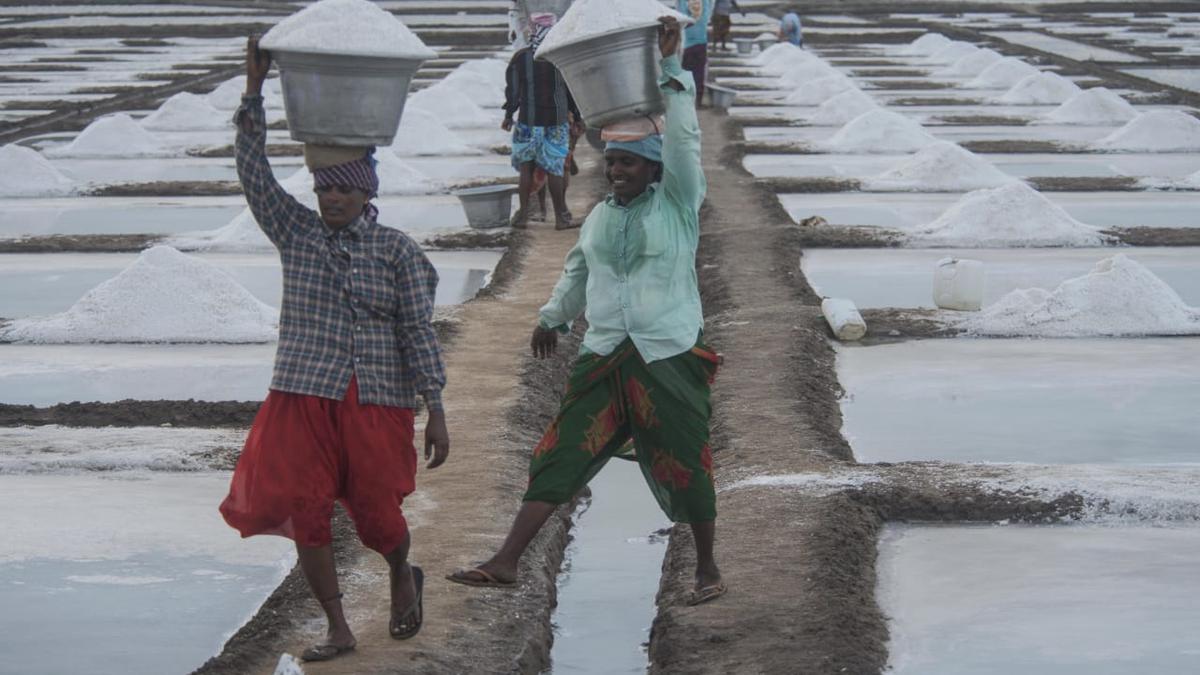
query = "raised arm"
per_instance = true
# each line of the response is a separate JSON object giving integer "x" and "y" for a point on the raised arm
{"x": 683, "y": 178}
{"x": 277, "y": 212}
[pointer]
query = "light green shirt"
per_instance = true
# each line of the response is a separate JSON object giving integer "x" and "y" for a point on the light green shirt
{"x": 634, "y": 266}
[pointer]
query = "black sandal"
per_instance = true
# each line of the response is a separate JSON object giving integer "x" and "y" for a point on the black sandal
{"x": 408, "y": 624}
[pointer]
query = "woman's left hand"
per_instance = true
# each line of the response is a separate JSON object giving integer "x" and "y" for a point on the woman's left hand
{"x": 669, "y": 35}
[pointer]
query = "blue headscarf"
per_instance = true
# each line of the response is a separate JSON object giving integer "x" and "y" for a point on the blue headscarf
{"x": 649, "y": 147}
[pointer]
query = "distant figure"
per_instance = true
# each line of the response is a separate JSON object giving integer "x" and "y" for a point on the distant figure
{"x": 695, "y": 41}
{"x": 721, "y": 21}
{"x": 789, "y": 29}
{"x": 541, "y": 134}
{"x": 518, "y": 26}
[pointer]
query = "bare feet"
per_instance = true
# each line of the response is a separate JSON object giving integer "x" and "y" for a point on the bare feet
{"x": 338, "y": 639}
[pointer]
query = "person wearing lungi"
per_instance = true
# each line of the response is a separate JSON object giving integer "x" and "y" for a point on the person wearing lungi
{"x": 644, "y": 372}
{"x": 356, "y": 349}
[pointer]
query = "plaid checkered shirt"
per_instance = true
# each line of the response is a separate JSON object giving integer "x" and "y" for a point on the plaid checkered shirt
{"x": 358, "y": 301}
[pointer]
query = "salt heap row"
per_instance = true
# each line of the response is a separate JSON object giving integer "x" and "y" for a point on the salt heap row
{"x": 24, "y": 172}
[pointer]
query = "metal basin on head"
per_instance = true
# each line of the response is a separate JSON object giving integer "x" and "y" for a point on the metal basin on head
{"x": 744, "y": 45}
{"x": 613, "y": 76}
{"x": 341, "y": 99}
{"x": 488, "y": 206}
{"x": 555, "y": 7}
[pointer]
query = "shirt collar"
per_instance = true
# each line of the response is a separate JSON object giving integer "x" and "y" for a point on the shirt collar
{"x": 353, "y": 231}
{"x": 646, "y": 194}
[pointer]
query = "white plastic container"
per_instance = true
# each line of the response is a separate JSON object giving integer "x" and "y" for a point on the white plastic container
{"x": 843, "y": 317}
{"x": 958, "y": 284}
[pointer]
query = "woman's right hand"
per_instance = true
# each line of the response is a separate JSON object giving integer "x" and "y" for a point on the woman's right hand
{"x": 544, "y": 342}
{"x": 669, "y": 35}
{"x": 258, "y": 64}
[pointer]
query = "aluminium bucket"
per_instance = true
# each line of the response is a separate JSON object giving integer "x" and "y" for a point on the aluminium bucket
{"x": 721, "y": 97}
{"x": 745, "y": 46}
{"x": 613, "y": 76}
{"x": 343, "y": 99}
{"x": 488, "y": 206}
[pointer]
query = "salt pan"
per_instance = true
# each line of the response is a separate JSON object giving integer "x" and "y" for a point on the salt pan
{"x": 942, "y": 167}
{"x": 116, "y": 135}
{"x": 591, "y": 18}
{"x": 1002, "y": 74}
{"x": 843, "y": 108}
{"x": 926, "y": 44}
{"x": 25, "y": 173}
{"x": 1158, "y": 131}
{"x": 354, "y": 27}
{"x": 820, "y": 90}
{"x": 453, "y": 107}
{"x": 1119, "y": 297}
{"x": 187, "y": 112}
{"x": 1098, "y": 105}
{"x": 972, "y": 64}
{"x": 1040, "y": 88}
{"x": 880, "y": 131}
{"x": 1013, "y": 215}
{"x": 422, "y": 133}
{"x": 164, "y": 296}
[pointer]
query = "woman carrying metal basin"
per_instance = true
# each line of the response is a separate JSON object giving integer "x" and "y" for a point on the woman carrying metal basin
{"x": 644, "y": 371}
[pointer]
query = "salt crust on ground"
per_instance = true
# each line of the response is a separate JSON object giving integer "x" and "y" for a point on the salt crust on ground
{"x": 56, "y": 449}
{"x": 1002, "y": 74}
{"x": 1040, "y": 88}
{"x": 116, "y": 135}
{"x": 25, "y": 173}
{"x": 452, "y": 106}
{"x": 952, "y": 52}
{"x": 926, "y": 44}
{"x": 1118, "y": 297}
{"x": 820, "y": 90}
{"x": 1158, "y": 131}
{"x": 422, "y": 133}
{"x": 187, "y": 112}
{"x": 943, "y": 166}
{"x": 1192, "y": 181}
{"x": 164, "y": 296}
{"x": 347, "y": 27}
{"x": 972, "y": 64}
{"x": 589, "y": 18}
{"x": 1098, "y": 105}
{"x": 843, "y": 108}
{"x": 879, "y": 131}
{"x": 1013, "y": 215}
{"x": 242, "y": 234}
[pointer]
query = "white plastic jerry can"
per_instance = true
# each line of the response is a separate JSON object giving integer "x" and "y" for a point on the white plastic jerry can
{"x": 958, "y": 284}
{"x": 843, "y": 318}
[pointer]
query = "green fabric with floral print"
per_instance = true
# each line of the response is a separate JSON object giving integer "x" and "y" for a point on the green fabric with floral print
{"x": 618, "y": 404}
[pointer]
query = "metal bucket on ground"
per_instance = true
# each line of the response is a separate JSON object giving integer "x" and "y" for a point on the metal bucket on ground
{"x": 720, "y": 97}
{"x": 613, "y": 76}
{"x": 745, "y": 46}
{"x": 341, "y": 99}
{"x": 488, "y": 206}
{"x": 763, "y": 43}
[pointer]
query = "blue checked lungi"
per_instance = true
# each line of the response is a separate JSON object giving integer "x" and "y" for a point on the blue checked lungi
{"x": 545, "y": 146}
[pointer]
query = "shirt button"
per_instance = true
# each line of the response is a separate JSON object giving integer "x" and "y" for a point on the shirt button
{"x": 358, "y": 359}
{"x": 355, "y": 270}
{"x": 358, "y": 328}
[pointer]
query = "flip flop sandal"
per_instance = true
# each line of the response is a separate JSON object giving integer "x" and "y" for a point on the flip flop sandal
{"x": 324, "y": 652}
{"x": 486, "y": 580}
{"x": 706, "y": 594}
{"x": 407, "y": 625}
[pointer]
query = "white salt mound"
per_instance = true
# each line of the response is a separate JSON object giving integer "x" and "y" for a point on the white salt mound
{"x": 1098, "y": 105}
{"x": 926, "y": 44}
{"x": 1013, "y": 215}
{"x": 187, "y": 112}
{"x": 164, "y": 296}
{"x": 397, "y": 177}
{"x": 941, "y": 167}
{"x": 820, "y": 90}
{"x": 1002, "y": 74}
{"x": 972, "y": 64}
{"x": 25, "y": 173}
{"x": 346, "y": 27}
{"x": 422, "y": 133}
{"x": 1192, "y": 181}
{"x": 228, "y": 95}
{"x": 801, "y": 74}
{"x": 952, "y": 52}
{"x": 590, "y": 18}
{"x": 116, "y": 135}
{"x": 880, "y": 131}
{"x": 1158, "y": 131}
{"x": 485, "y": 90}
{"x": 453, "y": 107}
{"x": 843, "y": 107}
{"x": 1040, "y": 88}
{"x": 1117, "y": 297}
{"x": 778, "y": 50}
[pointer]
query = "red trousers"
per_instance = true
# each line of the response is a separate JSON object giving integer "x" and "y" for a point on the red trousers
{"x": 305, "y": 452}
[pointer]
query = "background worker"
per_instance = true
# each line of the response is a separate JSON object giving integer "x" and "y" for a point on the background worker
{"x": 695, "y": 41}
{"x": 722, "y": 20}
{"x": 789, "y": 29}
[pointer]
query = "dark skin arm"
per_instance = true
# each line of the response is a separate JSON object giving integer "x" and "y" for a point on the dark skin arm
{"x": 437, "y": 439}
{"x": 544, "y": 342}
